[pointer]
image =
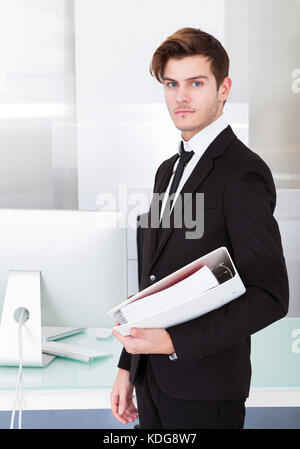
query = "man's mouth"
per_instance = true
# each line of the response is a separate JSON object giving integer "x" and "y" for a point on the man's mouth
{"x": 184, "y": 111}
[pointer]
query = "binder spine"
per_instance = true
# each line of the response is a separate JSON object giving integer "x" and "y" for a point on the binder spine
{"x": 119, "y": 317}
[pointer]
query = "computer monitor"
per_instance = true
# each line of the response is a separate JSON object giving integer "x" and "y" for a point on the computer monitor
{"x": 60, "y": 267}
{"x": 81, "y": 257}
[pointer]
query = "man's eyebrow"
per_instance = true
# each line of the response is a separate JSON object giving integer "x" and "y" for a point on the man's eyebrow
{"x": 187, "y": 79}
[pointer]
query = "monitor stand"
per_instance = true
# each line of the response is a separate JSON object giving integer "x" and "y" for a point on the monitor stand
{"x": 23, "y": 291}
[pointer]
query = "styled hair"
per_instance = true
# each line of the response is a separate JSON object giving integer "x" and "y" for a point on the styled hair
{"x": 188, "y": 42}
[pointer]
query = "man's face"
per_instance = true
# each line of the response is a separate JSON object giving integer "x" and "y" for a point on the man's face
{"x": 191, "y": 93}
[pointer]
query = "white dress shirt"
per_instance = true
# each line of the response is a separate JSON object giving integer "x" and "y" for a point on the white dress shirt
{"x": 198, "y": 143}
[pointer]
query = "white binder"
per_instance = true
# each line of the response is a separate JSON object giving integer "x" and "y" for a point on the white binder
{"x": 209, "y": 300}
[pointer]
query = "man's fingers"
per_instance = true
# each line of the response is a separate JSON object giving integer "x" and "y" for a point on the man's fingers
{"x": 127, "y": 416}
{"x": 114, "y": 404}
{"x": 122, "y": 406}
{"x": 120, "y": 417}
{"x": 131, "y": 411}
{"x": 114, "y": 400}
{"x": 131, "y": 406}
{"x": 119, "y": 406}
{"x": 121, "y": 399}
{"x": 124, "y": 340}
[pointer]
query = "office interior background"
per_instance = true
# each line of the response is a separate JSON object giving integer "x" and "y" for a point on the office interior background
{"x": 82, "y": 121}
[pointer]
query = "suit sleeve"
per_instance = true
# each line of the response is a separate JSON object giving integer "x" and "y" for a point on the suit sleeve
{"x": 256, "y": 249}
{"x": 125, "y": 359}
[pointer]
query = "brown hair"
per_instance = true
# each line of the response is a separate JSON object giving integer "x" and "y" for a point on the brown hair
{"x": 187, "y": 42}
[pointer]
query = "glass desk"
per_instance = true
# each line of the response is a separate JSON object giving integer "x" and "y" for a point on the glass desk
{"x": 66, "y": 383}
{"x": 69, "y": 384}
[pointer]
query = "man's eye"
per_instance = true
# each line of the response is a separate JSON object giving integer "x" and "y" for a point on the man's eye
{"x": 173, "y": 83}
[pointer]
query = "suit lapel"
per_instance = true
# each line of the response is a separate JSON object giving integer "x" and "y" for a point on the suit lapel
{"x": 198, "y": 175}
{"x": 160, "y": 187}
{"x": 163, "y": 181}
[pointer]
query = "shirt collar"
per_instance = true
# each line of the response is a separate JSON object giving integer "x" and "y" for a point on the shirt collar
{"x": 200, "y": 141}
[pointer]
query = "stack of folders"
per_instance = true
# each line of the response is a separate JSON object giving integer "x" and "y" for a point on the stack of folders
{"x": 201, "y": 286}
{"x": 180, "y": 293}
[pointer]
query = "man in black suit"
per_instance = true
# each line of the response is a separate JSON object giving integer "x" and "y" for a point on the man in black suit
{"x": 197, "y": 374}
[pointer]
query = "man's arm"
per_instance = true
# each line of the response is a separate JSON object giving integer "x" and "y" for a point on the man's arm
{"x": 249, "y": 202}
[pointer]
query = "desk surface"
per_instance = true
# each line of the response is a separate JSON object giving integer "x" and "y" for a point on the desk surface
{"x": 67, "y": 373}
{"x": 70, "y": 384}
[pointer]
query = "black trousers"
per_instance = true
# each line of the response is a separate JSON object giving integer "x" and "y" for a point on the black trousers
{"x": 157, "y": 410}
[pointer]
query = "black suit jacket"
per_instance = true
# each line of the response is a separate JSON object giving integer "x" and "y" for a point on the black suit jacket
{"x": 239, "y": 199}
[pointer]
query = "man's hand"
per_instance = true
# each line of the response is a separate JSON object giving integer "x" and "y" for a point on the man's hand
{"x": 121, "y": 395}
{"x": 146, "y": 341}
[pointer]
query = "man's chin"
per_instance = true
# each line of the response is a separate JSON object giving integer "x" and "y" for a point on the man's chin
{"x": 187, "y": 128}
{"x": 186, "y": 125}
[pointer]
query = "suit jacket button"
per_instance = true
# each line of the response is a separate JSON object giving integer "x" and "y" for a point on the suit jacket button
{"x": 152, "y": 278}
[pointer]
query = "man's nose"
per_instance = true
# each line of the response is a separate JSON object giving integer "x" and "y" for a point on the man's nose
{"x": 182, "y": 95}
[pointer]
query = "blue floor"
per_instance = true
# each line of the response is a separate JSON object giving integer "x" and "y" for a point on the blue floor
{"x": 256, "y": 418}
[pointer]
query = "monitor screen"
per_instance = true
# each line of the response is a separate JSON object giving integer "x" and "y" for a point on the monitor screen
{"x": 82, "y": 258}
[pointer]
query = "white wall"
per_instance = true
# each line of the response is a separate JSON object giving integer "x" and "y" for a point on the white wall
{"x": 37, "y": 99}
{"x": 274, "y": 117}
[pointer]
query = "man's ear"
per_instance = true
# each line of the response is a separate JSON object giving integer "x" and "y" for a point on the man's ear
{"x": 224, "y": 88}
